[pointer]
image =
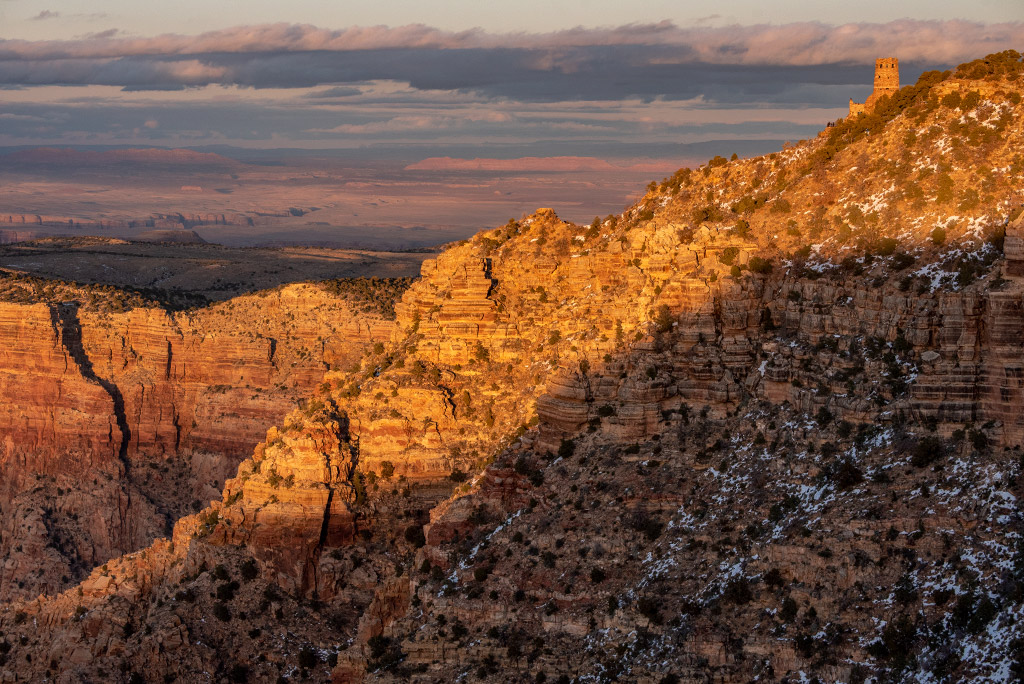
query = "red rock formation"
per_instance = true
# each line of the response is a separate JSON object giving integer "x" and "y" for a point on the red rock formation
{"x": 85, "y": 393}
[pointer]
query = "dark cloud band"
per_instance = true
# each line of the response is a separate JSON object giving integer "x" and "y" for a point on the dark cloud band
{"x": 659, "y": 60}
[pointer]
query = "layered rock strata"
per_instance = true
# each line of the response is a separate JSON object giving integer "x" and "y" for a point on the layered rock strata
{"x": 155, "y": 409}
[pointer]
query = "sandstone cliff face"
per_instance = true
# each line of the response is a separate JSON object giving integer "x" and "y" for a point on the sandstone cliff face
{"x": 48, "y": 401}
{"x": 122, "y": 398}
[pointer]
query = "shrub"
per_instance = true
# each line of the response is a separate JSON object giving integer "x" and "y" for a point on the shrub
{"x": 788, "y": 610}
{"x": 308, "y": 658}
{"x": 221, "y": 612}
{"x": 905, "y": 591}
{"x": 387, "y": 469}
{"x": 250, "y": 570}
{"x": 978, "y": 440}
{"x": 459, "y": 630}
{"x": 805, "y": 644}
{"x": 951, "y": 100}
{"x": 902, "y": 260}
{"x": 728, "y": 256}
{"x": 898, "y": 639}
{"x": 938, "y": 235}
{"x": 846, "y": 474}
{"x": 649, "y": 608}
{"x": 273, "y": 479}
{"x": 663, "y": 319}
{"x": 773, "y": 578}
{"x": 759, "y": 265}
{"x": 886, "y": 246}
{"x": 738, "y": 591}
{"x": 378, "y": 646}
{"x": 928, "y": 450}
{"x": 226, "y": 591}
{"x": 414, "y": 535}
{"x": 748, "y": 204}
{"x": 597, "y": 575}
{"x": 642, "y": 522}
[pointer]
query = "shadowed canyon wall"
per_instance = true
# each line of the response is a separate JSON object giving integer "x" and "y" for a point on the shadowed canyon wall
{"x": 155, "y": 409}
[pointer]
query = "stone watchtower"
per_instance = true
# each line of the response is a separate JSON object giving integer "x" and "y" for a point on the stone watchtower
{"x": 887, "y": 82}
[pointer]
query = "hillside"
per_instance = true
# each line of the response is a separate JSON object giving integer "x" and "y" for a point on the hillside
{"x": 764, "y": 425}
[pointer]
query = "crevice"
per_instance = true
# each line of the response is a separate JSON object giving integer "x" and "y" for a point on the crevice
{"x": 331, "y": 478}
{"x": 170, "y": 357}
{"x": 310, "y": 581}
{"x": 64, "y": 319}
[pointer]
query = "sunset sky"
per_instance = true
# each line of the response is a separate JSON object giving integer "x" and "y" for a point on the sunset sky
{"x": 416, "y": 79}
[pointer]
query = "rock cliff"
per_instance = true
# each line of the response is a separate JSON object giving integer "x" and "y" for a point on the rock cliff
{"x": 157, "y": 408}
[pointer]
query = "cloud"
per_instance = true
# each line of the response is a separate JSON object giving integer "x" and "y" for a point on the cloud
{"x": 563, "y": 92}
{"x": 20, "y": 117}
{"x": 417, "y": 123}
{"x": 336, "y": 92}
{"x": 46, "y": 14}
{"x": 803, "y": 43}
{"x": 107, "y": 33}
{"x": 649, "y": 61}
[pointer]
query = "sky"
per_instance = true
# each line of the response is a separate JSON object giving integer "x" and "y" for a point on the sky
{"x": 415, "y": 79}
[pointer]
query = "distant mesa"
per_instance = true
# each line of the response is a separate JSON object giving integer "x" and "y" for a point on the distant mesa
{"x": 178, "y": 236}
{"x": 8, "y": 237}
{"x": 53, "y": 156}
{"x": 887, "y": 82}
{"x": 551, "y": 164}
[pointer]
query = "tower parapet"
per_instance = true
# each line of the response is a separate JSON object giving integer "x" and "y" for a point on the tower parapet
{"x": 887, "y": 82}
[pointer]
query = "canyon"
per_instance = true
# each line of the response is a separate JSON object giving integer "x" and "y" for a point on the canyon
{"x": 154, "y": 408}
{"x": 763, "y": 424}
